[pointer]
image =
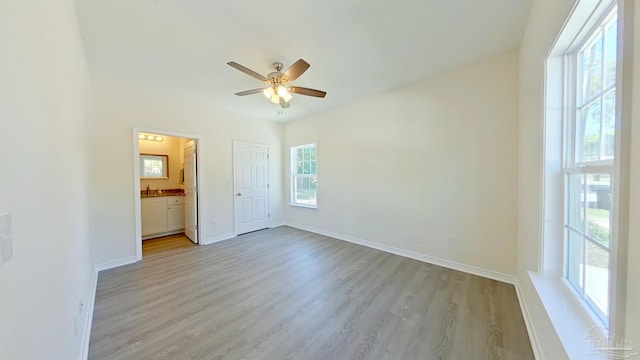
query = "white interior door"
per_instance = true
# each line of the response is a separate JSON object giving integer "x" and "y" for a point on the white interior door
{"x": 190, "y": 192}
{"x": 251, "y": 187}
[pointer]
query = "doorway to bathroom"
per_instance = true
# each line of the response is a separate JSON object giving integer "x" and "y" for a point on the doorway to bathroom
{"x": 166, "y": 169}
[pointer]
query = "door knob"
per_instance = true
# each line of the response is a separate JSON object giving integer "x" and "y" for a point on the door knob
{"x": 239, "y": 194}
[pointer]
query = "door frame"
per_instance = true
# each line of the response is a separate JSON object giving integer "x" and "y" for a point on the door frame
{"x": 235, "y": 144}
{"x": 136, "y": 180}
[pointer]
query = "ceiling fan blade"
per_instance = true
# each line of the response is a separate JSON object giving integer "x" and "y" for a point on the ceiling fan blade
{"x": 295, "y": 70}
{"x": 247, "y": 71}
{"x": 249, "y": 92}
{"x": 307, "y": 91}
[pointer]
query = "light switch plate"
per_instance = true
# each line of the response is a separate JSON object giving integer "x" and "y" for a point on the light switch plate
{"x": 6, "y": 238}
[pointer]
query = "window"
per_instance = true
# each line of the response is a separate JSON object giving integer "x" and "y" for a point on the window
{"x": 589, "y": 164}
{"x": 154, "y": 166}
{"x": 304, "y": 175}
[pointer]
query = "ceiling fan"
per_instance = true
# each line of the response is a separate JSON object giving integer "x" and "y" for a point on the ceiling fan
{"x": 278, "y": 89}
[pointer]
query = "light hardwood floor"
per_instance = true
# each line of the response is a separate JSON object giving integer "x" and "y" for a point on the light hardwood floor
{"x": 165, "y": 243}
{"x": 284, "y": 293}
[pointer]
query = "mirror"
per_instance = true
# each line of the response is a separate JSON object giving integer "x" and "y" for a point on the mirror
{"x": 154, "y": 166}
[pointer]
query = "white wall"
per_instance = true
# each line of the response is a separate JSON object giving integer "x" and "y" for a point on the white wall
{"x": 545, "y": 21}
{"x": 44, "y": 181}
{"x": 437, "y": 158}
{"x": 172, "y": 147}
{"x": 119, "y": 107}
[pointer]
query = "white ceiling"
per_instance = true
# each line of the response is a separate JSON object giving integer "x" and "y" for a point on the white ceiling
{"x": 356, "y": 48}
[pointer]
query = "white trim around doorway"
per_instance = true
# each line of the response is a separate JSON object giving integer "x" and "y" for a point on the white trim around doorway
{"x": 136, "y": 179}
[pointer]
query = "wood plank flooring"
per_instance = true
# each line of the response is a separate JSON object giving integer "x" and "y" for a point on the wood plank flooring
{"x": 284, "y": 293}
{"x": 165, "y": 243}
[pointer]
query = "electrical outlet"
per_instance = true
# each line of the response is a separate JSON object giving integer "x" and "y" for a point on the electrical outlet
{"x": 76, "y": 326}
{"x": 213, "y": 223}
{"x": 450, "y": 241}
{"x": 413, "y": 238}
{"x": 6, "y": 238}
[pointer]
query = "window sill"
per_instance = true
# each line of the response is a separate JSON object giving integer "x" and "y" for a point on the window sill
{"x": 304, "y": 206}
{"x": 574, "y": 326}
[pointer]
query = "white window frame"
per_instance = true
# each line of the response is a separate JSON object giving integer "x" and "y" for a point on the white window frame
{"x": 295, "y": 175}
{"x": 573, "y": 104}
{"x": 570, "y": 315}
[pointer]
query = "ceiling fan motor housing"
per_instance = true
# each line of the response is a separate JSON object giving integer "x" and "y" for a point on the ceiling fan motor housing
{"x": 275, "y": 78}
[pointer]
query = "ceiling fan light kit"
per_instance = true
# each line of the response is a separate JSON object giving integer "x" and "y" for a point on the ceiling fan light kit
{"x": 277, "y": 91}
{"x": 268, "y": 92}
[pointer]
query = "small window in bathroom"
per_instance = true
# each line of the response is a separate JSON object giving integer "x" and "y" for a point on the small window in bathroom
{"x": 154, "y": 166}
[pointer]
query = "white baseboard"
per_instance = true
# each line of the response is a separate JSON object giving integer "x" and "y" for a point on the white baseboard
{"x": 217, "y": 238}
{"x": 86, "y": 331}
{"x": 115, "y": 263}
{"x": 495, "y": 275}
{"x": 276, "y": 224}
{"x": 528, "y": 322}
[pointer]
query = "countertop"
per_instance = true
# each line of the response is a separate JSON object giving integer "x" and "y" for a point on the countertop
{"x": 167, "y": 192}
